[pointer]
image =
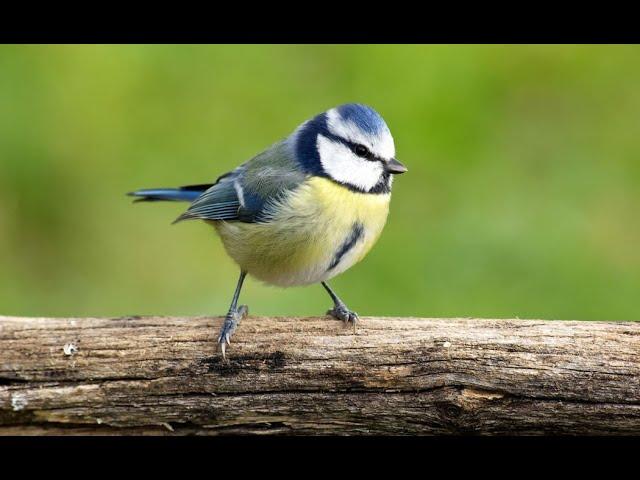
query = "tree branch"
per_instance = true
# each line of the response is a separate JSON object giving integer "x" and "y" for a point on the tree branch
{"x": 155, "y": 375}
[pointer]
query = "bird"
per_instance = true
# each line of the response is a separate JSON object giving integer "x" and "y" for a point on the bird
{"x": 304, "y": 210}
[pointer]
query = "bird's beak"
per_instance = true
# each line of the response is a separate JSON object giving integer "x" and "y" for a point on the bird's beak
{"x": 394, "y": 167}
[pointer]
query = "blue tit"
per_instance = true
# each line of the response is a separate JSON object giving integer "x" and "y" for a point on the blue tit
{"x": 304, "y": 210}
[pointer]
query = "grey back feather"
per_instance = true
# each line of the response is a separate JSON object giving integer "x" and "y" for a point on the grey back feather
{"x": 247, "y": 192}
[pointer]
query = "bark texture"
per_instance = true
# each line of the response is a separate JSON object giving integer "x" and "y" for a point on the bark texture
{"x": 162, "y": 376}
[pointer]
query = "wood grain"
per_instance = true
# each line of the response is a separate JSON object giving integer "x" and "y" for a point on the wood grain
{"x": 162, "y": 376}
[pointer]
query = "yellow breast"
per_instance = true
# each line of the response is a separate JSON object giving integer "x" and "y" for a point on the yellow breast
{"x": 307, "y": 240}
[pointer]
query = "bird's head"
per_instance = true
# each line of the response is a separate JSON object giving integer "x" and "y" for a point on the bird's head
{"x": 350, "y": 144}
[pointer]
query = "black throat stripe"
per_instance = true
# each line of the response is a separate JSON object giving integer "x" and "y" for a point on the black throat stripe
{"x": 357, "y": 232}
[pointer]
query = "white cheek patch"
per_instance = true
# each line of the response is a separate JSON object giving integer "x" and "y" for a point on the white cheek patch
{"x": 341, "y": 164}
{"x": 380, "y": 144}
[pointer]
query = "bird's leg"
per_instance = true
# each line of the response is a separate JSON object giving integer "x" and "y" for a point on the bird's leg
{"x": 340, "y": 310}
{"x": 233, "y": 318}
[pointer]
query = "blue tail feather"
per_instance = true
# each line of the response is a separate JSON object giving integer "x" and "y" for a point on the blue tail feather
{"x": 182, "y": 194}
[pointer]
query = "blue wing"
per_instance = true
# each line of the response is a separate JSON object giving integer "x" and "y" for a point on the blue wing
{"x": 245, "y": 193}
{"x": 219, "y": 202}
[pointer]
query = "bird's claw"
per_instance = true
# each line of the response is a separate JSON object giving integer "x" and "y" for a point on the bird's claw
{"x": 229, "y": 326}
{"x": 341, "y": 312}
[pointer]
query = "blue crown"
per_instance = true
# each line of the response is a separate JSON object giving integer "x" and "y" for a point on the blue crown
{"x": 366, "y": 118}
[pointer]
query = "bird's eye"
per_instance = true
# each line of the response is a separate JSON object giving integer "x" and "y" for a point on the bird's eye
{"x": 362, "y": 151}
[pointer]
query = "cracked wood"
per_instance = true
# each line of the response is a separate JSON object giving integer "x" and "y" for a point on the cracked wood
{"x": 161, "y": 376}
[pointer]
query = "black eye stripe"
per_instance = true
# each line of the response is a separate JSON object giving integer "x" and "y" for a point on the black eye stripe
{"x": 353, "y": 146}
{"x": 362, "y": 151}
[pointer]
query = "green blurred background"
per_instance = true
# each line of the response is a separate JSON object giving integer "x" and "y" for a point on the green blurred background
{"x": 522, "y": 197}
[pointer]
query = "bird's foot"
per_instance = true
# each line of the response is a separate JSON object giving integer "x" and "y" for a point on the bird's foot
{"x": 341, "y": 312}
{"x": 229, "y": 326}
